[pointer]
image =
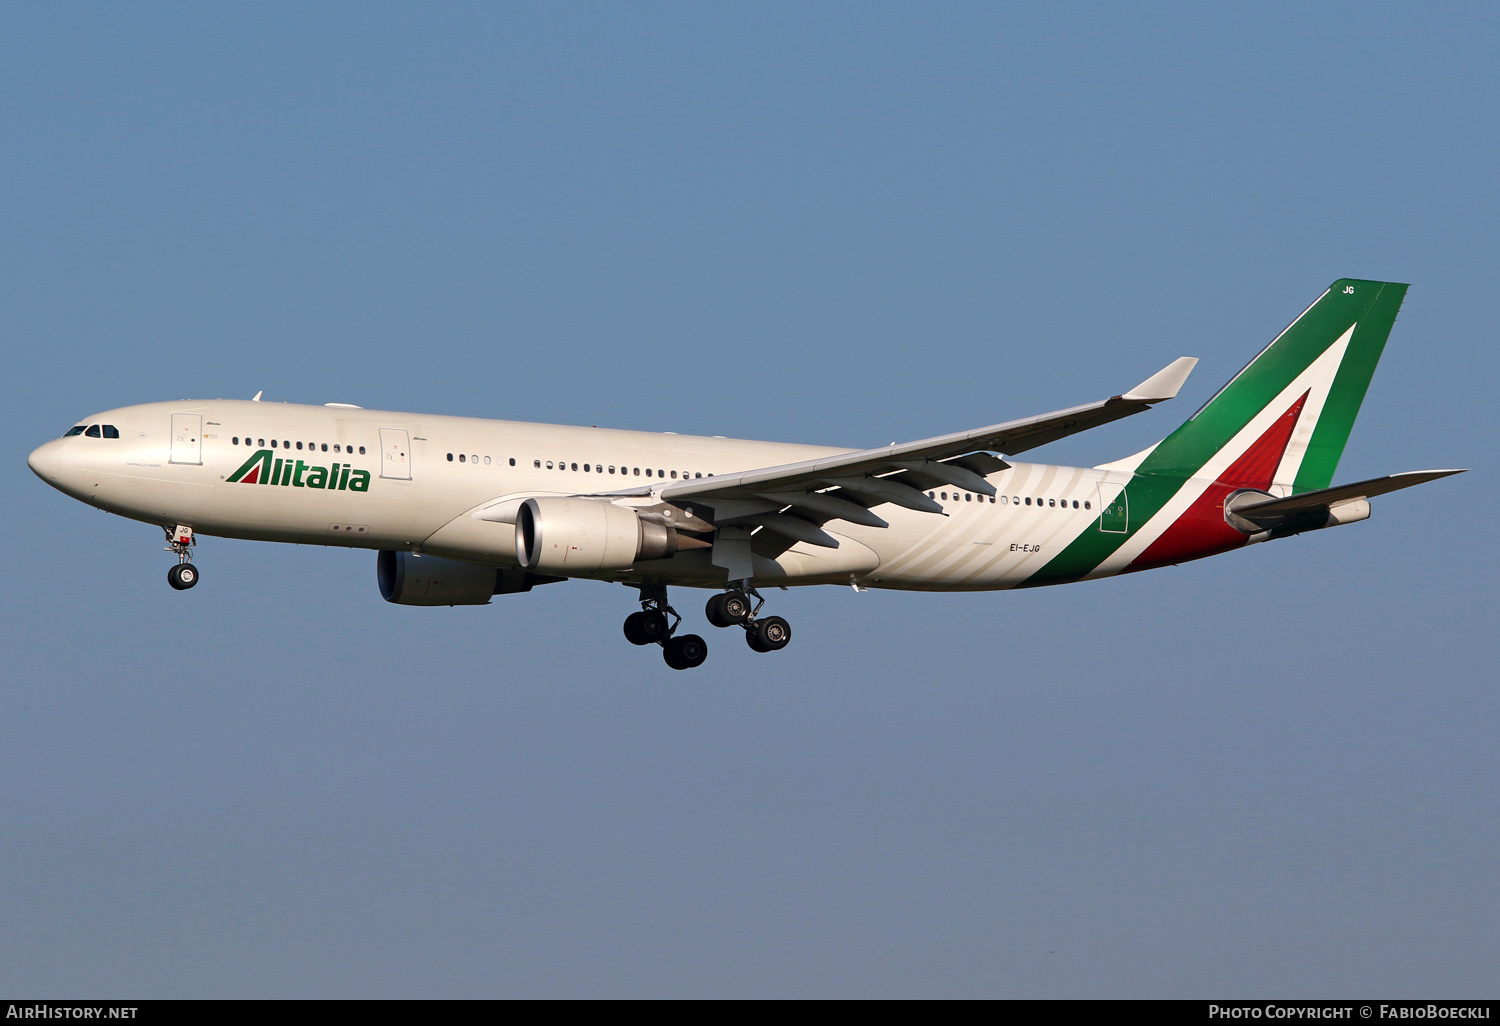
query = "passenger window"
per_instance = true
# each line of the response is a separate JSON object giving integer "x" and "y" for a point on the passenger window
{"x": 637, "y": 471}
{"x": 261, "y": 442}
{"x": 236, "y": 440}
{"x": 92, "y": 432}
{"x": 460, "y": 457}
{"x": 513, "y": 461}
{"x": 486, "y": 461}
{"x": 273, "y": 443}
{"x": 299, "y": 446}
{"x": 450, "y": 457}
{"x": 473, "y": 457}
{"x": 1028, "y": 500}
{"x": 1075, "y": 503}
{"x": 697, "y": 475}
{"x": 537, "y": 464}
{"x": 1086, "y": 505}
{"x": 325, "y": 447}
{"x": 968, "y": 497}
{"x": 361, "y": 450}
{"x": 611, "y": 469}
{"x": 674, "y": 475}
{"x": 575, "y": 466}
{"x": 74, "y": 431}
{"x": 549, "y": 464}
{"x": 992, "y": 500}
{"x": 648, "y": 471}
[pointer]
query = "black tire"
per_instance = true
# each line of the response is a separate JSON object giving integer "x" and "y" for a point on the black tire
{"x": 736, "y": 606}
{"x": 685, "y": 652}
{"x": 654, "y": 626}
{"x": 753, "y": 640}
{"x": 714, "y": 610}
{"x": 182, "y": 576}
{"x": 633, "y": 632}
{"x": 727, "y": 609}
{"x": 772, "y": 633}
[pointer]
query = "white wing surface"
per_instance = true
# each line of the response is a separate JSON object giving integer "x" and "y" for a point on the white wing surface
{"x": 845, "y": 486}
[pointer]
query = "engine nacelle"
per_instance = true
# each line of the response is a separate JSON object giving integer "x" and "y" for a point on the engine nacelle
{"x": 410, "y": 579}
{"x": 563, "y": 534}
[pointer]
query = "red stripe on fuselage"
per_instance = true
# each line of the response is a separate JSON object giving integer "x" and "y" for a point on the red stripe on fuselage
{"x": 1202, "y": 530}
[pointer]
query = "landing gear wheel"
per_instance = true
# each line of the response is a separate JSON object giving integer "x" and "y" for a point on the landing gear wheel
{"x": 182, "y": 576}
{"x": 685, "y": 652}
{"x": 633, "y": 631}
{"x": 654, "y": 626}
{"x": 768, "y": 635}
{"x": 727, "y": 610}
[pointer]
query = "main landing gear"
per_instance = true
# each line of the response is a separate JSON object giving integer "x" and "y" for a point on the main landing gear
{"x": 657, "y": 623}
{"x": 738, "y": 607}
{"x": 184, "y": 575}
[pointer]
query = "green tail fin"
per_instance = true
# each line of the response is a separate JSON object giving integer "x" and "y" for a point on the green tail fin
{"x": 1317, "y": 371}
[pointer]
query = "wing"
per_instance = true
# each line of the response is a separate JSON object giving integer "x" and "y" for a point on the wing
{"x": 794, "y": 500}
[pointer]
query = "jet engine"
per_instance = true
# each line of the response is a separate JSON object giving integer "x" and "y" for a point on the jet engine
{"x": 411, "y": 579}
{"x": 564, "y": 534}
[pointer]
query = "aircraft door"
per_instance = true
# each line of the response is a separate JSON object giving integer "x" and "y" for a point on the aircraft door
{"x": 1114, "y": 509}
{"x": 395, "y": 454}
{"x": 187, "y": 438}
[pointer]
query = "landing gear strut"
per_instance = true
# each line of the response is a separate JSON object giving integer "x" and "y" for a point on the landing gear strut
{"x": 657, "y": 623}
{"x": 184, "y": 575}
{"x": 739, "y": 606}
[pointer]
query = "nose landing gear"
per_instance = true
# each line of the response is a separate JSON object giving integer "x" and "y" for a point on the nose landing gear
{"x": 739, "y": 606}
{"x": 184, "y": 575}
{"x": 652, "y": 626}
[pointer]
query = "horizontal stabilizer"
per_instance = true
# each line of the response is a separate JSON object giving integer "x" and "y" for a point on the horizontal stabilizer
{"x": 1324, "y": 497}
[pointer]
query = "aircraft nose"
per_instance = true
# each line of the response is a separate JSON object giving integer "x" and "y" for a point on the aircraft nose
{"x": 46, "y": 460}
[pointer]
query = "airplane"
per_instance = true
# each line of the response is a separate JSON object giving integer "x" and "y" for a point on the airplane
{"x": 462, "y": 509}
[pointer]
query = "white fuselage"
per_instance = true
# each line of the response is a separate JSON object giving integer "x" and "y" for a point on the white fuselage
{"x": 427, "y": 476}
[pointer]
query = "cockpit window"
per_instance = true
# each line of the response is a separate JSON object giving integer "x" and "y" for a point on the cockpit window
{"x": 92, "y": 432}
{"x": 110, "y": 431}
{"x": 74, "y": 431}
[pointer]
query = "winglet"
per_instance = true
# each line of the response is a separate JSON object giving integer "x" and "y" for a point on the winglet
{"x": 256, "y": 397}
{"x": 1165, "y": 383}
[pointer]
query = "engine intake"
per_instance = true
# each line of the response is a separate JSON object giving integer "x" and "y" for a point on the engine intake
{"x": 563, "y": 534}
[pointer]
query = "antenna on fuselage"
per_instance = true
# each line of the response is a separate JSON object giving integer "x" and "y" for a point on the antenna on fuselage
{"x": 256, "y": 397}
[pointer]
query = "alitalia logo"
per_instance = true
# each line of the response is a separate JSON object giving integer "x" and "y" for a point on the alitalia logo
{"x": 268, "y": 469}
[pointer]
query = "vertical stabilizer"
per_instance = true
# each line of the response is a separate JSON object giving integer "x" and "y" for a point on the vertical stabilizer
{"x": 1278, "y": 426}
{"x": 1323, "y": 360}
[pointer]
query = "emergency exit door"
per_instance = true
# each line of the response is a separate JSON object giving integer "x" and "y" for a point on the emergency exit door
{"x": 187, "y": 438}
{"x": 1114, "y": 509}
{"x": 395, "y": 454}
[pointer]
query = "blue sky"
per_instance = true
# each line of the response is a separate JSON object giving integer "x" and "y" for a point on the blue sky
{"x": 1271, "y": 773}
